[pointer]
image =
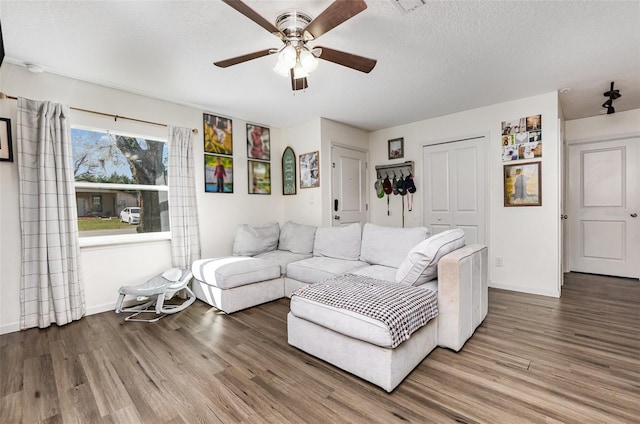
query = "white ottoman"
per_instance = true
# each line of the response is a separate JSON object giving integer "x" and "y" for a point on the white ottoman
{"x": 233, "y": 283}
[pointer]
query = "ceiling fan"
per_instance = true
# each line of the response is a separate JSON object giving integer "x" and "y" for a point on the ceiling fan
{"x": 295, "y": 29}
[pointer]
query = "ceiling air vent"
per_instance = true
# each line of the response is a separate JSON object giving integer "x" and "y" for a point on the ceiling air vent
{"x": 406, "y": 6}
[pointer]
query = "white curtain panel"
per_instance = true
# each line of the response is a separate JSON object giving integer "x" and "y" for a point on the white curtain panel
{"x": 183, "y": 211}
{"x": 50, "y": 286}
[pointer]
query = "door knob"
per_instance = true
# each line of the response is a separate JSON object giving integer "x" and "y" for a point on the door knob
{"x": 564, "y": 216}
{"x": 633, "y": 215}
{"x": 336, "y": 216}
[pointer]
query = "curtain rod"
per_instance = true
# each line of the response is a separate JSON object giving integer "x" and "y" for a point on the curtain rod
{"x": 115, "y": 117}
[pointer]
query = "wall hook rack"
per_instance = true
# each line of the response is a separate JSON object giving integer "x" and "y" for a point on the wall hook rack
{"x": 404, "y": 168}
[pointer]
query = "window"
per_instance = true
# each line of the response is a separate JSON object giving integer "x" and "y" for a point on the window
{"x": 121, "y": 184}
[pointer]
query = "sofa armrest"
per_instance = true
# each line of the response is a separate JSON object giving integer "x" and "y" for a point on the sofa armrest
{"x": 462, "y": 294}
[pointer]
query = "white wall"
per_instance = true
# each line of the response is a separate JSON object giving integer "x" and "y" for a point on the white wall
{"x": 105, "y": 269}
{"x": 527, "y": 238}
{"x": 306, "y": 206}
{"x": 312, "y": 206}
{"x": 603, "y": 127}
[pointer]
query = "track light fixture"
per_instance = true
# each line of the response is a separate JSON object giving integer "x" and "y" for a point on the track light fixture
{"x": 612, "y": 95}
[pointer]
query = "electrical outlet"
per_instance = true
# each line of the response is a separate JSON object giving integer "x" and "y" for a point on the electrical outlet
{"x": 498, "y": 261}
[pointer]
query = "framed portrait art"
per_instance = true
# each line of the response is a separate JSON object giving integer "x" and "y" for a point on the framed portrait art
{"x": 259, "y": 177}
{"x": 396, "y": 148}
{"x": 523, "y": 184}
{"x": 310, "y": 170}
{"x": 6, "y": 150}
{"x": 218, "y": 135}
{"x": 218, "y": 174}
{"x": 258, "y": 142}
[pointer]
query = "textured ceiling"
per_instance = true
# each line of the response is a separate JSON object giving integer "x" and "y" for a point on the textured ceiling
{"x": 444, "y": 57}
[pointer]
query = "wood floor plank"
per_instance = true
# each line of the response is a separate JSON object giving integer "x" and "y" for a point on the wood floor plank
{"x": 107, "y": 388}
{"x": 11, "y": 368}
{"x": 40, "y": 397}
{"x": 12, "y": 407}
{"x": 78, "y": 406}
{"x": 535, "y": 359}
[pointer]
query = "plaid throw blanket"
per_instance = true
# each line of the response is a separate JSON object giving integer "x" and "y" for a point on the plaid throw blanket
{"x": 402, "y": 308}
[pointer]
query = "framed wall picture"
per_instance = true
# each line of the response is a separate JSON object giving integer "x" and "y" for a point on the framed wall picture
{"x": 310, "y": 170}
{"x": 6, "y": 149}
{"x": 396, "y": 148}
{"x": 218, "y": 174}
{"x": 258, "y": 142}
{"x": 288, "y": 172}
{"x": 259, "y": 177}
{"x": 522, "y": 138}
{"x": 218, "y": 135}
{"x": 523, "y": 184}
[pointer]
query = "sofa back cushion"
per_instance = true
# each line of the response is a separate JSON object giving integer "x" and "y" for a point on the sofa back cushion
{"x": 251, "y": 240}
{"x": 297, "y": 238}
{"x": 338, "y": 242}
{"x": 421, "y": 263}
{"x": 389, "y": 246}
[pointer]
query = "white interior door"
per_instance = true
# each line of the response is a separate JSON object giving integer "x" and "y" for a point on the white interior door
{"x": 604, "y": 228}
{"x": 454, "y": 184}
{"x": 348, "y": 186}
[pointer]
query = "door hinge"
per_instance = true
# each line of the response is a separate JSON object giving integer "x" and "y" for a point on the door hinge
{"x": 366, "y": 207}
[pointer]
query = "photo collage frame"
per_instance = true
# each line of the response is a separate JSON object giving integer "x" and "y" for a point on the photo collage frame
{"x": 522, "y": 138}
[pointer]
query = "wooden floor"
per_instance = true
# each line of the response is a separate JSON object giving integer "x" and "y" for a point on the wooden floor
{"x": 534, "y": 359}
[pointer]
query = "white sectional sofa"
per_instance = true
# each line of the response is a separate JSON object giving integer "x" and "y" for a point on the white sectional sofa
{"x": 270, "y": 262}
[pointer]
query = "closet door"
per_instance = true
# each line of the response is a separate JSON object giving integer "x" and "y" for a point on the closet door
{"x": 455, "y": 181}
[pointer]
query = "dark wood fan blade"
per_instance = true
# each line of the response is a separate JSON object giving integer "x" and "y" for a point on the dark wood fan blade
{"x": 254, "y": 16}
{"x": 298, "y": 83}
{"x": 349, "y": 60}
{"x": 338, "y": 12}
{"x": 243, "y": 58}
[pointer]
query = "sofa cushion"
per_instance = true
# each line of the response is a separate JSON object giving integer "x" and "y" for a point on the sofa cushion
{"x": 250, "y": 241}
{"x": 282, "y": 258}
{"x": 388, "y": 246}
{"x": 297, "y": 238}
{"x": 338, "y": 242}
{"x": 319, "y": 268}
{"x": 379, "y": 272}
{"x": 421, "y": 263}
{"x": 234, "y": 271}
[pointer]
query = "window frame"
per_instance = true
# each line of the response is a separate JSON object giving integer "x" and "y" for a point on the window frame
{"x": 116, "y": 239}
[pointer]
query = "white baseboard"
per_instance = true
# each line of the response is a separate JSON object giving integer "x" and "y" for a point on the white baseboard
{"x": 15, "y": 326}
{"x": 98, "y": 309}
{"x": 10, "y": 328}
{"x": 529, "y": 290}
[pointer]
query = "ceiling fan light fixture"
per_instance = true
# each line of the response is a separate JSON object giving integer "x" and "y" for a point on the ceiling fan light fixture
{"x": 288, "y": 56}
{"x": 307, "y": 60}
{"x": 281, "y": 69}
{"x": 299, "y": 71}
